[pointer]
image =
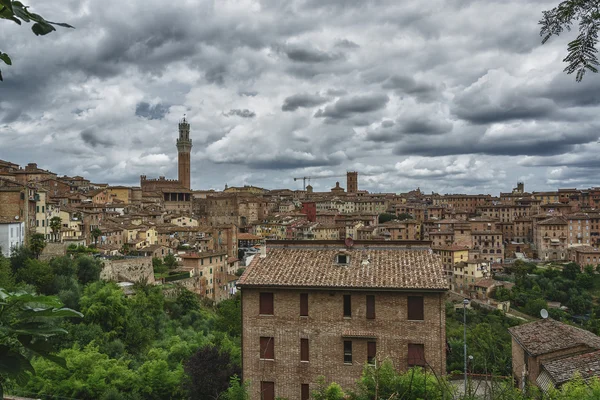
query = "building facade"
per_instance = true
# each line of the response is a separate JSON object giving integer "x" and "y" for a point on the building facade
{"x": 308, "y": 312}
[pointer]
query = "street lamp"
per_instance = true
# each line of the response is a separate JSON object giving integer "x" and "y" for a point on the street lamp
{"x": 465, "y": 303}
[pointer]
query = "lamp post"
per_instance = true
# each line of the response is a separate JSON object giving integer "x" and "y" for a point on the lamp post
{"x": 465, "y": 302}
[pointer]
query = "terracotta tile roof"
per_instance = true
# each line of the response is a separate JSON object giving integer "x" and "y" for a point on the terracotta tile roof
{"x": 547, "y": 335}
{"x": 553, "y": 221}
{"x": 248, "y": 236}
{"x": 386, "y": 268}
{"x": 562, "y": 370}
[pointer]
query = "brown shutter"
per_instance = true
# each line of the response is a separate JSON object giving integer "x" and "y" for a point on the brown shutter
{"x": 304, "y": 304}
{"x": 303, "y": 349}
{"x": 416, "y": 354}
{"x": 371, "y": 352}
{"x": 304, "y": 392}
{"x": 267, "y": 348}
{"x": 415, "y": 308}
{"x": 267, "y": 390}
{"x": 347, "y": 305}
{"x": 370, "y": 307}
{"x": 266, "y": 304}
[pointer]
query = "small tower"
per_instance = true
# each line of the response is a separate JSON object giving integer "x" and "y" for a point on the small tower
{"x": 352, "y": 181}
{"x": 184, "y": 147}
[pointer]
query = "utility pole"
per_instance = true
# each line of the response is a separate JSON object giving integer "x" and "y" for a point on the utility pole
{"x": 465, "y": 302}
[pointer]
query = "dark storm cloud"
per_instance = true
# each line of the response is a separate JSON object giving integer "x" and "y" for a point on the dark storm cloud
{"x": 424, "y": 92}
{"x": 347, "y": 107}
{"x": 91, "y": 137}
{"x": 151, "y": 111}
{"x": 302, "y": 100}
{"x": 389, "y": 131}
{"x": 481, "y": 107}
{"x": 305, "y": 54}
{"x": 346, "y": 44}
{"x": 517, "y": 140}
{"x": 245, "y": 113}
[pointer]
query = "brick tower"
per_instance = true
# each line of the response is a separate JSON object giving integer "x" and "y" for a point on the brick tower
{"x": 351, "y": 182}
{"x": 184, "y": 147}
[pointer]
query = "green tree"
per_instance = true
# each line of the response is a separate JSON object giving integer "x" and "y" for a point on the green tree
{"x": 570, "y": 271}
{"x": 236, "y": 390}
{"x": 7, "y": 280}
{"x": 229, "y": 316}
{"x": 37, "y": 243}
{"x": 55, "y": 224}
{"x": 96, "y": 233}
{"x": 18, "y": 13}
{"x": 158, "y": 265}
{"x": 582, "y": 51}
{"x": 534, "y": 306}
{"x": 170, "y": 261}
{"x": 104, "y": 304}
{"x": 26, "y": 322}
{"x": 37, "y": 273}
{"x": 88, "y": 269}
{"x": 208, "y": 372}
{"x": 386, "y": 217}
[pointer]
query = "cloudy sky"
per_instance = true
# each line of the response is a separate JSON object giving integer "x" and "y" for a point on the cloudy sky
{"x": 455, "y": 96}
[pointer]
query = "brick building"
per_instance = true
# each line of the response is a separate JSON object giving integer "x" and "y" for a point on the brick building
{"x": 325, "y": 309}
{"x": 551, "y": 239}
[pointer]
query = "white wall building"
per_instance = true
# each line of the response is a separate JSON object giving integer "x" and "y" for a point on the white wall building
{"x": 12, "y": 234}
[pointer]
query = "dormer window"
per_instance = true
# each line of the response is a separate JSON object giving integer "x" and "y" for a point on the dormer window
{"x": 342, "y": 258}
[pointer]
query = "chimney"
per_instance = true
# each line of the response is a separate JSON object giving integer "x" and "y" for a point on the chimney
{"x": 263, "y": 250}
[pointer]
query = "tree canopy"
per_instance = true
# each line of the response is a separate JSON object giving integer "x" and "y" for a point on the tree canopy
{"x": 18, "y": 13}
{"x": 581, "y": 52}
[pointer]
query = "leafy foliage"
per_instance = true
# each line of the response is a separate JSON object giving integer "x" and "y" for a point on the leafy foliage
{"x": 581, "y": 52}
{"x": 37, "y": 243}
{"x": 208, "y": 372}
{"x": 18, "y": 12}
{"x": 26, "y": 322}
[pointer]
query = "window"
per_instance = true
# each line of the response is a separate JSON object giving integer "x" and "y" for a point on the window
{"x": 370, "y": 306}
{"x": 415, "y": 308}
{"x": 267, "y": 390}
{"x": 304, "y": 304}
{"x": 416, "y": 354}
{"x": 347, "y": 352}
{"x": 267, "y": 348}
{"x": 347, "y": 306}
{"x": 303, "y": 349}
{"x": 266, "y": 304}
{"x": 371, "y": 352}
{"x": 304, "y": 392}
{"x": 342, "y": 259}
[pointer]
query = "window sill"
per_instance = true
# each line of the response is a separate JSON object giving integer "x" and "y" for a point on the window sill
{"x": 267, "y": 359}
{"x": 416, "y": 320}
{"x": 266, "y": 315}
{"x": 304, "y": 361}
{"x": 303, "y": 316}
{"x": 348, "y": 364}
{"x": 347, "y": 317}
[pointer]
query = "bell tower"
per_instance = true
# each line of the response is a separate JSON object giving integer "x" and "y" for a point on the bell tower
{"x": 184, "y": 147}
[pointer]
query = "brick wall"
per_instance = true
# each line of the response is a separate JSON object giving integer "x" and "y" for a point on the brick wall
{"x": 324, "y": 329}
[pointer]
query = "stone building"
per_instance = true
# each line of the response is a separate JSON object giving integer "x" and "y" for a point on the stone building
{"x": 551, "y": 239}
{"x": 325, "y": 309}
{"x": 543, "y": 353}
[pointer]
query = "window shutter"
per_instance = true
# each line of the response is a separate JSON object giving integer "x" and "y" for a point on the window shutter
{"x": 267, "y": 348}
{"x": 304, "y": 392}
{"x": 303, "y": 349}
{"x": 371, "y": 352}
{"x": 267, "y": 390}
{"x": 304, "y": 304}
{"x": 416, "y": 354}
{"x": 415, "y": 308}
{"x": 266, "y": 304}
{"x": 347, "y": 305}
{"x": 370, "y": 307}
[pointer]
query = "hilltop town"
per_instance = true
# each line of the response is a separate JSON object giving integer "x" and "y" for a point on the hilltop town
{"x": 392, "y": 264}
{"x": 164, "y": 216}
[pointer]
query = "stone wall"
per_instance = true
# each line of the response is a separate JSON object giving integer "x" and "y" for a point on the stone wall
{"x": 53, "y": 250}
{"x": 134, "y": 269}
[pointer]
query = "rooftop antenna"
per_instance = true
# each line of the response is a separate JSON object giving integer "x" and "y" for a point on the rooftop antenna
{"x": 544, "y": 313}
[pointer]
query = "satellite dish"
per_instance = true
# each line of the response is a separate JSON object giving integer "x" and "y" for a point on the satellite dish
{"x": 544, "y": 313}
{"x": 349, "y": 242}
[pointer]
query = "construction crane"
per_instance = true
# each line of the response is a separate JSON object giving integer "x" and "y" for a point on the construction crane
{"x": 309, "y": 178}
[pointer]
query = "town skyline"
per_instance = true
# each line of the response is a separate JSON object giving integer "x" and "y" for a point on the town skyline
{"x": 442, "y": 98}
